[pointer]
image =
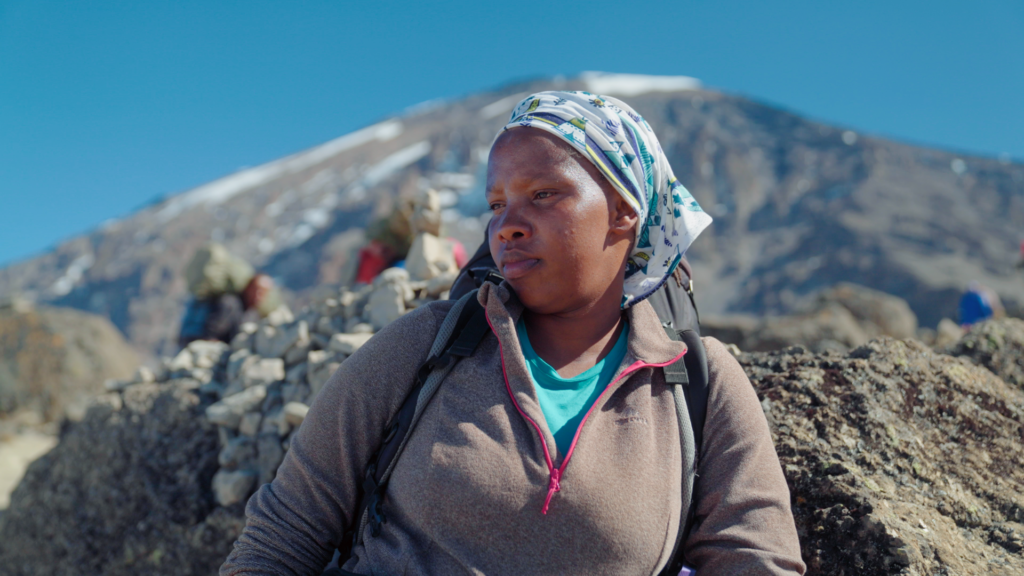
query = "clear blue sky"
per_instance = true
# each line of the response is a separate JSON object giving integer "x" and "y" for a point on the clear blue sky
{"x": 106, "y": 105}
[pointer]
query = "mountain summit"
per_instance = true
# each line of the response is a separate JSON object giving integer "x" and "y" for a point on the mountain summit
{"x": 798, "y": 205}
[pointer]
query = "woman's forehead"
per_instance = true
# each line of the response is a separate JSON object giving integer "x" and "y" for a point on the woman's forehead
{"x": 534, "y": 156}
{"x": 535, "y": 142}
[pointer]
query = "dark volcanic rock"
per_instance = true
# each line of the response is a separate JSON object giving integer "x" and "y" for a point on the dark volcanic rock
{"x": 127, "y": 491}
{"x": 900, "y": 460}
{"x": 997, "y": 345}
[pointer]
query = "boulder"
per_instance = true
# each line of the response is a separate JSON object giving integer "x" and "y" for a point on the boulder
{"x": 947, "y": 333}
{"x": 430, "y": 257}
{"x": 182, "y": 362}
{"x": 233, "y": 486}
{"x": 274, "y": 342}
{"x": 295, "y": 413}
{"x": 263, "y": 372}
{"x": 838, "y": 318}
{"x": 236, "y": 361}
{"x": 998, "y": 345}
{"x": 297, "y": 353}
{"x": 347, "y": 344}
{"x": 243, "y": 341}
{"x": 240, "y": 452}
{"x": 250, "y": 424}
{"x": 125, "y": 492}
{"x": 441, "y": 283}
{"x": 208, "y": 353}
{"x": 228, "y": 412}
{"x": 426, "y": 216}
{"x": 143, "y": 375}
{"x": 899, "y": 460}
{"x": 281, "y": 315}
{"x": 357, "y": 326}
{"x": 831, "y": 328}
{"x": 877, "y": 313}
{"x": 387, "y": 304}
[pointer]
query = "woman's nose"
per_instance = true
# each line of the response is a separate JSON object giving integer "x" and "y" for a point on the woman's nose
{"x": 510, "y": 225}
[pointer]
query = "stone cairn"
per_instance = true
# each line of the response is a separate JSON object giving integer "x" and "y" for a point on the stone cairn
{"x": 259, "y": 388}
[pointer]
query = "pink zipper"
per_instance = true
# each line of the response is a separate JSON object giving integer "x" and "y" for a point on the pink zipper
{"x": 555, "y": 478}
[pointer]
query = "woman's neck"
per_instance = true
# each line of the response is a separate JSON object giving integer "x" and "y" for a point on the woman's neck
{"x": 575, "y": 341}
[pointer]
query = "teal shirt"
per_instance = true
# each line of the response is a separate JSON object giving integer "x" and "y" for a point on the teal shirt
{"x": 565, "y": 401}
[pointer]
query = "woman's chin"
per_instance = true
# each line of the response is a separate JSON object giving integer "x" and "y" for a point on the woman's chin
{"x": 537, "y": 297}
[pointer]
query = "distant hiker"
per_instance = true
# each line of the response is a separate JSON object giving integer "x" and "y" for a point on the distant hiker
{"x": 392, "y": 237}
{"x": 979, "y": 303}
{"x": 549, "y": 412}
{"x": 223, "y": 288}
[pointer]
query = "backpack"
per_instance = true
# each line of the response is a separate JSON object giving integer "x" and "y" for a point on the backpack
{"x": 216, "y": 318}
{"x": 465, "y": 327}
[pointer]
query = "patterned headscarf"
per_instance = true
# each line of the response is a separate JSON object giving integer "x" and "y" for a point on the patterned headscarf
{"x": 625, "y": 150}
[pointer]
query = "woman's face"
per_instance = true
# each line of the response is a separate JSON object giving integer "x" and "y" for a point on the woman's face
{"x": 560, "y": 233}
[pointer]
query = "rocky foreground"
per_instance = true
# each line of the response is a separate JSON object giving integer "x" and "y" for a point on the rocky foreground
{"x": 901, "y": 460}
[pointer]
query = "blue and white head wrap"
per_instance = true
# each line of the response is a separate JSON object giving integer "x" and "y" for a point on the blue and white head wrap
{"x": 625, "y": 150}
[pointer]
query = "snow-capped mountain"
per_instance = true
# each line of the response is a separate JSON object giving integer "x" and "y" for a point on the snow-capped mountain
{"x": 797, "y": 204}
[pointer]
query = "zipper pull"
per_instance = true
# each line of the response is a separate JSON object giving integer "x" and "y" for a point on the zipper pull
{"x": 553, "y": 486}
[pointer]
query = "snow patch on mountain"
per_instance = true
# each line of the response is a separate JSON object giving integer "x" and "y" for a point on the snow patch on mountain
{"x": 222, "y": 190}
{"x": 72, "y": 275}
{"x": 503, "y": 106}
{"x": 395, "y": 162}
{"x": 632, "y": 84}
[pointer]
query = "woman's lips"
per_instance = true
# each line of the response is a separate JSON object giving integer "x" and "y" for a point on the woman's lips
{"x": 519, "y": 268}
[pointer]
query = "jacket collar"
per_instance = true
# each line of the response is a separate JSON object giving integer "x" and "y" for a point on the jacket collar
{"x": 647, "y": 340}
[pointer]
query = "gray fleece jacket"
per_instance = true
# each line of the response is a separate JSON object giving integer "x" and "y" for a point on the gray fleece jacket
{"x": 482, "y": 489}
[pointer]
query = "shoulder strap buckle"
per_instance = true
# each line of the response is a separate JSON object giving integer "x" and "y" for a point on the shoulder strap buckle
{"x": 675, "y": 373}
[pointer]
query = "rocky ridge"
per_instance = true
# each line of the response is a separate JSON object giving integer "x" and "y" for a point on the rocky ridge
{"x": 900, "y": 460}
{"x": 839, "y": 318}
{"x": 52, "y": 360}
{"x": 998, "y": 346}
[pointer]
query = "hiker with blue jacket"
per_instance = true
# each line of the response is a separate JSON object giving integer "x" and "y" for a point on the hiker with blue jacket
{"x": 558, "y": 443}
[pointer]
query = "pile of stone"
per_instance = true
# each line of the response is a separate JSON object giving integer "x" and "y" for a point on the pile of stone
{"x": 259, "y": 388}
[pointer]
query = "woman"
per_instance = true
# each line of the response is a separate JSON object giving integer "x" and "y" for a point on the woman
{"x": 554, "y": 448}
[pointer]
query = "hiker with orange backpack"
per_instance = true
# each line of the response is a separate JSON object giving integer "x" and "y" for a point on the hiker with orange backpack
{"x": 540, "y": 425}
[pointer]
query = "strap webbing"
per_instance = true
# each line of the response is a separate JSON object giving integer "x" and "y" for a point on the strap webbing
{"x": 675, "y": 373}
{"x": 688, "y": 377}
{"x": 467, "y": 312}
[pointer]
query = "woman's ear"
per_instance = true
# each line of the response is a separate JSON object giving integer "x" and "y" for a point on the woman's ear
{"x": 624, "y": 218}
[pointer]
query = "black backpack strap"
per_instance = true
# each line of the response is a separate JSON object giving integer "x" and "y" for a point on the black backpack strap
{"x": 690, "y": 373}
{"x": 696, "y": 361}
{"x": 470, "y": 329}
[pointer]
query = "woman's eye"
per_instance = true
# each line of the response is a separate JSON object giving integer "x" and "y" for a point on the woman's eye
{"x": 543, "y": 194}
{"x": 495, "y": 206}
